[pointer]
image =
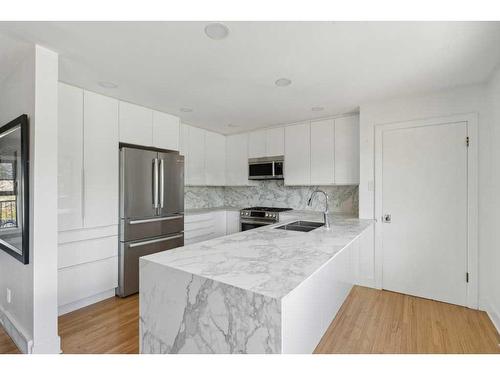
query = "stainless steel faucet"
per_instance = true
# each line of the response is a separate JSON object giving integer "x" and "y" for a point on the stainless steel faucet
{"x": 326, "y": 219}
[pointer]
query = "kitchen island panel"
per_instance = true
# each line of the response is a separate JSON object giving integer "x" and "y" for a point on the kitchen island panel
{"x": 185, "y": 313}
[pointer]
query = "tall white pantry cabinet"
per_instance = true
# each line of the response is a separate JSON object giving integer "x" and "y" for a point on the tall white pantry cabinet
{"x": 88, "y": 197}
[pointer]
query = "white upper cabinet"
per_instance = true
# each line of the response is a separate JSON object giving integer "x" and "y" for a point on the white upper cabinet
{"x": 70, "y": 157}
{"x": 275, "y": 141}
{"x": 257, "y": 144}
{"x": 183, "y": 139}
{"x": 215, "y": 159}
{"x": 195, "y": 156}
{"x": 347, "y": 150}
{"x": 136, "y": 124}
{"x": 100, "y": 160}
{"x": 297, "y": 155}
{"x": 267, "y": 142}
{"x": 165, "y": 131}
{"x": 237, "y": 160}
{"x": 322, "y": 152}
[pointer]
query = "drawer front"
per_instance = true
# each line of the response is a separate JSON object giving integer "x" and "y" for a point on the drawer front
{"x": 198, "y": 217}
{"x": 130, "y": 253}
{"x": 205, "y": 231}
{"x": 79, "y": 252}
{"x": 86, "y": 280}
{"x": 154, "y": 227}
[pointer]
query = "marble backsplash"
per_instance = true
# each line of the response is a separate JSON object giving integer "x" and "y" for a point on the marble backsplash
{"x": 272, "y": 194}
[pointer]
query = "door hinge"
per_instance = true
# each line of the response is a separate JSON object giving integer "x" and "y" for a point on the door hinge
{"x": 467, "y": 141}
{"x": 467, "y": 277}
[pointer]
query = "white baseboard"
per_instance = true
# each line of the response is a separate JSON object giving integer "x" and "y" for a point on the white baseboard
{"x": 86, "y": 302}
{"x": 16, "y": 333}
{"x": 494, "y": 316}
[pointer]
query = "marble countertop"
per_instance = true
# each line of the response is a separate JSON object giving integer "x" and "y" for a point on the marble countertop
{"x": 194, "y": 211}
{"x": 267, "y": 261}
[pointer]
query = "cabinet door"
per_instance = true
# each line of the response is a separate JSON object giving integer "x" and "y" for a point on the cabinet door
{"x": 322, "y": 152}
{"x": 347, "y": 150}
{"x": 275, "y": 142}
{"x": 136, "y": 124}
{"x": 297, "y": 155}
{"x": 183, "y": 139}
{"x": 70, "y": 157}
{"x": 257, "y": 144}
{"x": 165, "y": 131}
{"x": 100, "y": 160}
{"x": 237, "y": 160}
{"x": 232, "y": 222}
{"x": 195, "y": 158}
{"x": 219, "y": 218}
{"x": 215, "y": 159}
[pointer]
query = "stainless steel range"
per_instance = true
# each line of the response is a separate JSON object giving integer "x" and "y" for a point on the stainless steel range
{"x": 254, "y": 217}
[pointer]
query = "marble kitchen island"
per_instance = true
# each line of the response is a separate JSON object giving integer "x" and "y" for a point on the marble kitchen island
{"x": 261, "y": 291}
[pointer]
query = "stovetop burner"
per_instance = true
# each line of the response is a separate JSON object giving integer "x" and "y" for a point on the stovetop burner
{"x": 269, "y": 209}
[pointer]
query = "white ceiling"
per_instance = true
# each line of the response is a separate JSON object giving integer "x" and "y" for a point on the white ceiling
{"x": 335, "y": 65}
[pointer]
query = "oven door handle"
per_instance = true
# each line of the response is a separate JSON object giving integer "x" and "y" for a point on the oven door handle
{"x": 258, "y": 222}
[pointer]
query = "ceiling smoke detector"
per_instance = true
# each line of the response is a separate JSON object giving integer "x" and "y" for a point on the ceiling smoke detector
{"x": 282, "y": 82}
{"x": 216, "y": 31}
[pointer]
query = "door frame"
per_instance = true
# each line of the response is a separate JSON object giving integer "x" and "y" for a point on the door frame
{"x": 471, "y": 119}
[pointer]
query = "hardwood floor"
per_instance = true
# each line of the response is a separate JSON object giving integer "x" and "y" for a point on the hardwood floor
{"x": 370, "y": 321}
{"x": 376, "y": 321}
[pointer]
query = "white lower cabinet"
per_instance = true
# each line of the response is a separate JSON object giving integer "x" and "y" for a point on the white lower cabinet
{"x": 204, "y": 226}
{"x": 232, "y": 222}
{"x": 84, "y": 281}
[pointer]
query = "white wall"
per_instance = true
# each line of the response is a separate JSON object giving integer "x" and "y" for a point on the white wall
{"x": 17, "y": 96}
{"x": 491, "y": 253}
{"x": 32, "y": 89}
{"x": 450, "y": 102}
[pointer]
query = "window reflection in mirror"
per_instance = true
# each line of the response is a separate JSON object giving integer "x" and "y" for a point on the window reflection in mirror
{"x": 13, "y": 188}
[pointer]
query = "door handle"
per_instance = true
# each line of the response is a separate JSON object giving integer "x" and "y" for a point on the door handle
{"x": 387, "y": 218}
{"x": 143, "y": 221}
{"x": 155, "y": 183}
{"x": 162, "y": 182}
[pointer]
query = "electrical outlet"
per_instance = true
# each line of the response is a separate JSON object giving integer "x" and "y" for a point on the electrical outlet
{"x": 9, "y": 296}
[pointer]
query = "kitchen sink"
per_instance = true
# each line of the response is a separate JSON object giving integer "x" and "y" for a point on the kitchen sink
{"x": 301, "y": 226}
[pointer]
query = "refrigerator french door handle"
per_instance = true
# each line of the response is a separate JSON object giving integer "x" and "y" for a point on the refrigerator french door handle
{"x": 155, "y": 183}
{"x": 149, "y": 242}
{"x": 162, "y": 182}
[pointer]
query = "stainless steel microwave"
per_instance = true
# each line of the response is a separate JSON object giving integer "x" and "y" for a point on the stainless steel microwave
{"x": 270, "y": 168}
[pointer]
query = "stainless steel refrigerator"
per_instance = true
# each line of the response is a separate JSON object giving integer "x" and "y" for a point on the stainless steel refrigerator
{"x": 151, "y": 209}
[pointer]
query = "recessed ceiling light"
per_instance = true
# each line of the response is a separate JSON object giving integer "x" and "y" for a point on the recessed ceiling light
{"x": 317, "y": 109}
{"x": 231, "y": 126}
{"x": 107, "y": 85}
{"x": 186, "y": 109}
{"x": 216, "y": 31}
{"x": 282, "y": 82}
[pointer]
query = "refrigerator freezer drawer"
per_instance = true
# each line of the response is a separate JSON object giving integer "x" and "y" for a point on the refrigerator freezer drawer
{"x": 128, "y": 259}
{"x": 133, "y": 230}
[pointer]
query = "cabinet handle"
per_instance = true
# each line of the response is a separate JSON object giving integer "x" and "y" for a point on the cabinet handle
{"x": 136, "y": 244}
{"x": 83, "y": 197}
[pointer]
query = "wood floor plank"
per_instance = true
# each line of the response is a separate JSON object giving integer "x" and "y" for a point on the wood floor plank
{"x": 378, "y": 321}
{"x": 370, "y": 321}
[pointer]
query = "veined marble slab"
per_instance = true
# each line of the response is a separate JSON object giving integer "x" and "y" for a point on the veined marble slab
{"x": 227, "y": 295}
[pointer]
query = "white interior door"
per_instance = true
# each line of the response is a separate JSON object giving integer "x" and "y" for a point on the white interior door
{"x": 424, "y": 190}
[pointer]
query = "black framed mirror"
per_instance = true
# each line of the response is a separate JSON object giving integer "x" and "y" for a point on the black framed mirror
{"x": 14, "y": 188}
